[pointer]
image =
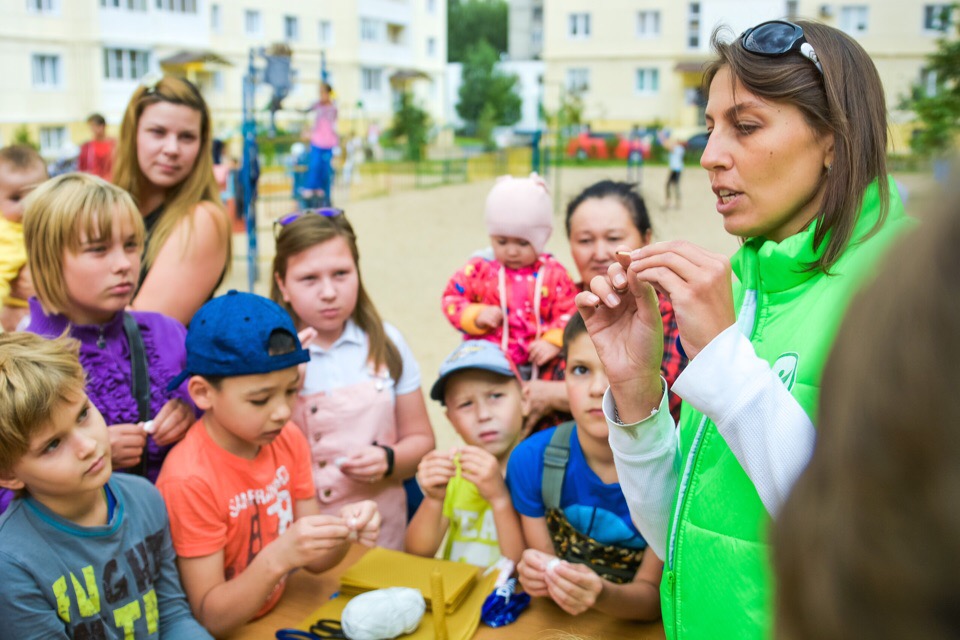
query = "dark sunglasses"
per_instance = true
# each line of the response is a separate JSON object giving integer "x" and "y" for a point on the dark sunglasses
{"x": 778, "y": 38}
{"x": 326, "y": 212}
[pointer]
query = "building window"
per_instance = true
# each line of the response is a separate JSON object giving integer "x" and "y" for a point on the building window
{"x": 693, "y": 25}
{"x": 936, "y": 17}
{"x": 854, "y": 19}
{"x": 52, "y": 139}
{"x": 648, "y": 80}
{"x": 252, "y": 23}
{"x": 216, "y": 20}
{"x": 125, "y": 64}
{"x": 218, "y": 81}
{"x": 648, "y": 23}
{"x": 177, "y": 6}
{"x": 431, "y": 6}
{"x": 431, "y": 47}
{"x": 371, "y": 80}
{"x": 578, "y": 80}
{"x": 928, "y": 82}
{"x": 130, "y": 5}
{"x": 326, "y": 32}
{"x": 579, "y": 25}
{"x": 291, "y": 28}
{"x": 46, "y": 71}
{"x": 43, "y": 6}
{"x": 792, "y": 9}
{"x": 370, "y": 30}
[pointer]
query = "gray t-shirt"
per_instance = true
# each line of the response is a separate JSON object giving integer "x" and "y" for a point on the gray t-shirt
{"x": 119, "y": 580}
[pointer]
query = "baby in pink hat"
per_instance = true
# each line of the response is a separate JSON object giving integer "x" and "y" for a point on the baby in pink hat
{"x": 522, "y": 298}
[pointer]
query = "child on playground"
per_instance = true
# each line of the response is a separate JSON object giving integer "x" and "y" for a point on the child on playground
{"x": 238, "y": 487}
{"x": 85, "y": 238}
{"x": 323, "y": 140}
{"x": 464, "y": 489}
{"x": 583, "y": 549}
{"x": 21, "y": 171}
{"x": 82, "y": 554}
{"x": 360, "y": 407}
{"x": 521, "y": 298}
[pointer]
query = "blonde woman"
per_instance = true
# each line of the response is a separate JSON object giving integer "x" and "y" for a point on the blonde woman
{"x": 164, "y": 161}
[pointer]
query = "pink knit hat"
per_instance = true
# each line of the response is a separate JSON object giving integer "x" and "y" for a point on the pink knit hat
{"x": 520, "y": 208}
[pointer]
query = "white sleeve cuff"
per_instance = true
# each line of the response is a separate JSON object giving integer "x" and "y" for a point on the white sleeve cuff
{"x": 643, "y": 438}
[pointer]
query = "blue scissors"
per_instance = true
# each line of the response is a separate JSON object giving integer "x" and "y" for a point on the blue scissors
{"x": 322, "y": 629}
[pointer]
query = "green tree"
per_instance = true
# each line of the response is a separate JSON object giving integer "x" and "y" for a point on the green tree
{"x": 938, "y": 111}
{"x": 412, "y": 124}
{"x": 487, "y": 95}
{"x": 470, "y": 21}
{"x": 22, "y": 136}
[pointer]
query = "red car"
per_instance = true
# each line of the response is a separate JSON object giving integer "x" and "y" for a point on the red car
{"x": 597, "y": 146}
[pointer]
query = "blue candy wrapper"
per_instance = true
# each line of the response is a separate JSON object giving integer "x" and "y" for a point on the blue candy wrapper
{"x": 504, "y": 605}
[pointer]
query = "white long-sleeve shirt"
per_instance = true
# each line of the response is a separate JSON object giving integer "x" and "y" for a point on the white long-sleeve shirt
{"x": 766, "y": 429}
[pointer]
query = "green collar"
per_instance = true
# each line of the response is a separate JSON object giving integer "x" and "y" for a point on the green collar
{"x": 779, "y": 266}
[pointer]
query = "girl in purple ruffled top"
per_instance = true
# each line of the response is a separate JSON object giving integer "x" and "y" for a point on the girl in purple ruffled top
{"x": 84, "y": 239}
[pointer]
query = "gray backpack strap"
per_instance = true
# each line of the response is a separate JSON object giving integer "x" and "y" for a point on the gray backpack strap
{"x": 555, "y": 458}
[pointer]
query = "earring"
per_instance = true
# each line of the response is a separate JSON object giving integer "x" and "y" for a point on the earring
{"x": 829, "y": 167}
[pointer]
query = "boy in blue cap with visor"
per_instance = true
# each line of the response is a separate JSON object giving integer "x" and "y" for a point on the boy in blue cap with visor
{"x": 238, "y": 487}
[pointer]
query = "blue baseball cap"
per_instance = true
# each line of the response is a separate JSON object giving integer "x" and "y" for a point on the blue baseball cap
{"x": 472, "y": 354}
{"x": 230, "y": 336}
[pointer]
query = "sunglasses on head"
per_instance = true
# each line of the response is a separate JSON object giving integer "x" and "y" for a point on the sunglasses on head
{"x": 778, "y": 38}
{"x": 326, "y": 212}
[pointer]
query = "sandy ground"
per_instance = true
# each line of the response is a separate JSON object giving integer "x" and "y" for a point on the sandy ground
{"x": 412, "y": 242}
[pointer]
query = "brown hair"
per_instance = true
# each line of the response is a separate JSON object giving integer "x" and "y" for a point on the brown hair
{"x": 866, "y": 544}
{"x": 55, "y": 216}
{"x": 846, "y": 100}
{"x": 199, "y": 185}
{"x": 21, "y": 157}
{"x": 36, "y": 375}
{"x": 310, "y": 230}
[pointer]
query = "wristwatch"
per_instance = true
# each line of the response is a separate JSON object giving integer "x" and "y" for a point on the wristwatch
{"x": 389, "y": 452}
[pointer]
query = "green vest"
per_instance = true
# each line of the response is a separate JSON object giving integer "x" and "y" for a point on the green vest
{"x": 717, "y": 580}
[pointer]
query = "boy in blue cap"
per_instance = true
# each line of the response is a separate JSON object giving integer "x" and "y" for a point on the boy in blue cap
{"x": 238, "y": 487}
{"x": 464, "y": 489}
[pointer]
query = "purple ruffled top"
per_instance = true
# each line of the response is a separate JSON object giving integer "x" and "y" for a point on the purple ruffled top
{"x": 105, "y": 356}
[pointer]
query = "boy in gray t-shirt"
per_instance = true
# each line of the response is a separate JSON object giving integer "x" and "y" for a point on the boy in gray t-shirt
{"x": 82, "y": 555}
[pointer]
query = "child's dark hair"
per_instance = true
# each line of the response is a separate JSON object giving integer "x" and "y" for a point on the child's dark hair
{"x": 21, "y": 157}
{"x": 574, "y": 329}
{"x": 97, "y": 119}
{"x": 624, "y": 192}
{"x": 280, "y": 343}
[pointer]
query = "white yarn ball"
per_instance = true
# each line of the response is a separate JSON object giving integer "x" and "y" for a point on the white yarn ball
{"x": 383, "y": 614}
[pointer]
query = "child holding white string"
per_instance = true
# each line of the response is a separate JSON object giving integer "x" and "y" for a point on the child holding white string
{"x": 361, "y": 406}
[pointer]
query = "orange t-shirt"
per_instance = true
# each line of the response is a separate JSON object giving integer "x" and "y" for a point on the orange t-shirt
{"x": 217, "y": 500}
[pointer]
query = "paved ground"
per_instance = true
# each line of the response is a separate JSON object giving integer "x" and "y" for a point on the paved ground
{"x": 411, "y": 242}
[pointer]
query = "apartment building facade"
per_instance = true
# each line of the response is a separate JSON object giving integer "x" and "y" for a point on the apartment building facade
{"x": 639, "y": 61}
{"x": 68, "y": 58}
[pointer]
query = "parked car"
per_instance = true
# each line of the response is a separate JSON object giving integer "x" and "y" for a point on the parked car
{"x": 591, "y": 144}
{"x": 697, "y": 143}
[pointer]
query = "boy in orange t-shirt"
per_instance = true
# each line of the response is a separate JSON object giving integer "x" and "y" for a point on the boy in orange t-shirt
{"x": 238, "y": 487}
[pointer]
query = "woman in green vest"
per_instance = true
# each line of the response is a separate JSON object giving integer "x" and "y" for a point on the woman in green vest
{"x": 797, "y": 160}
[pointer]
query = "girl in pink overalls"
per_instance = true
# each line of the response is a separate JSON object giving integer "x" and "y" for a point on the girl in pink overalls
{"x": 360, "y": 406}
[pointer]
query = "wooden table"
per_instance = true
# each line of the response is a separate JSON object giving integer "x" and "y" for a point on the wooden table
{"x": 305, "y": 592}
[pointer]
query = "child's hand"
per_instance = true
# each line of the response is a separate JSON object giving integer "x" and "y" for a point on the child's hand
{"x": 126, "y": 444}
{"x": 10, "y": 317}
{"x": 490, "y": 317}
{"x": 307, "y": 336}
{"x": 533, "y": 571}
{"x": 363, "y": 520}
{"x": 483, "y": 469}
{"x": 434, "y": 472}
{"x": 369, "y": 464}
{"x": 542, "y": 352}
{"x": 574, "y": 587}
{"x": 308, "y": 539}
{"x": 172, "y": 422}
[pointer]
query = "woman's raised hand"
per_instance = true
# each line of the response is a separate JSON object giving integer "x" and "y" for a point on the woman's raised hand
{"x": 697, "y": 283}
{"x": 623, "y": 319}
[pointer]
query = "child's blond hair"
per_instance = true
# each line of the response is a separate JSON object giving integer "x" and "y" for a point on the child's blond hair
{"x": 57, "y": 214}
{"x": 36, "y": 375}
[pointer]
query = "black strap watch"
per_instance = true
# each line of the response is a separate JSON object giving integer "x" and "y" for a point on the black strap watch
{"x": 389, "y": 452}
